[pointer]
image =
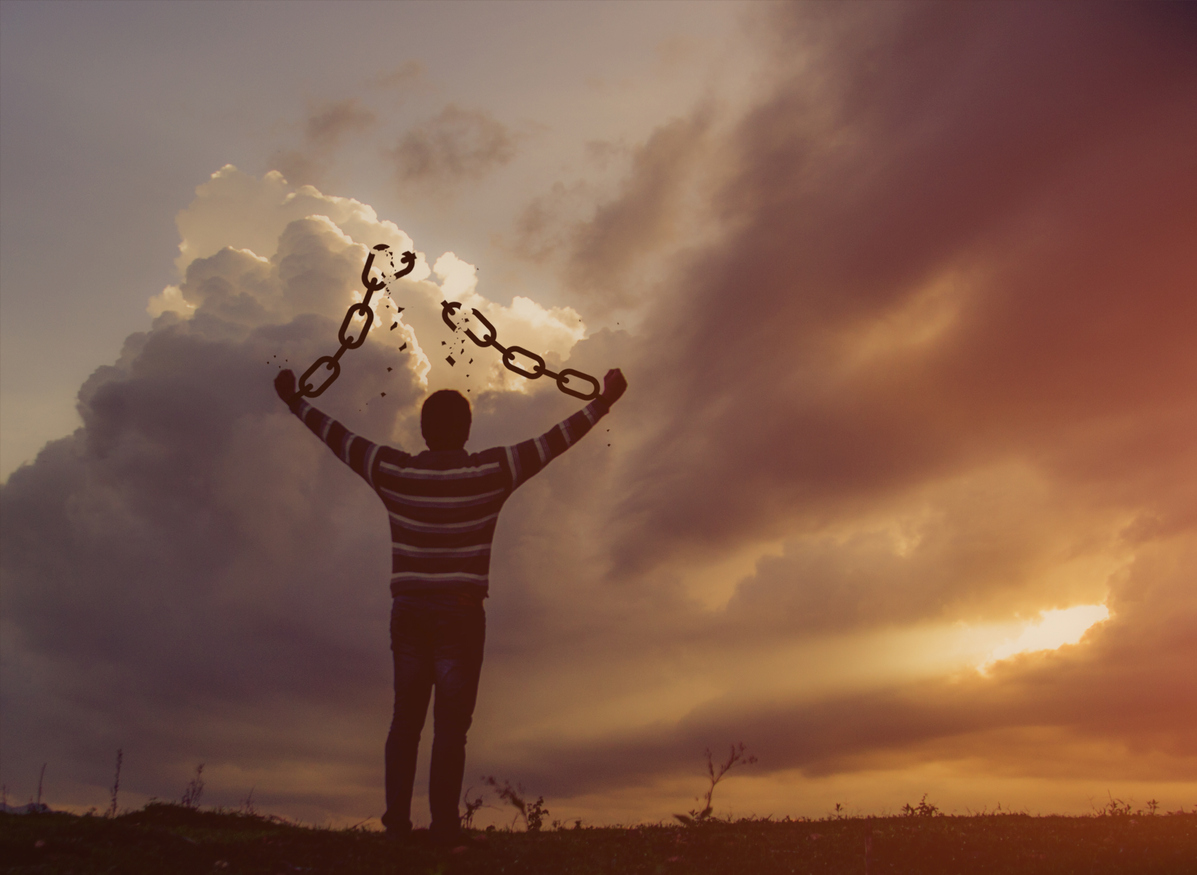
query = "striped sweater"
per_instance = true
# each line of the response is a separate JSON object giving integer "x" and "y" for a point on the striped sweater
{"x": 444, "y": 505}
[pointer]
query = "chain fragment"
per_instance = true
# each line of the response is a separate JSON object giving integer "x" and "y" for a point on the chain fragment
{"x": 362, "y": 308}
{"x": 449, "y": 308}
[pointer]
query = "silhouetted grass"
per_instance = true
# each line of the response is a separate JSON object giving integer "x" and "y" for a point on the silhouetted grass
{"x": 163, "y": 838}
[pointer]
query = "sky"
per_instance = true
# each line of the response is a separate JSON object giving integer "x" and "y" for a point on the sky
{"x": 901, "y": 495}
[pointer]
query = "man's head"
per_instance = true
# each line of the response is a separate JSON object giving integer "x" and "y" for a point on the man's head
{"x": 445, "y": 420}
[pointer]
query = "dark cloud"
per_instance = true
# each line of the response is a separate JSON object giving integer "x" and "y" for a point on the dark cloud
{"x": 610, "y": 250}
{"x": 325, "y": 129}
{"x": 954, "y": 238}
{"x": 645, "y": 219}
{"x": 328, "y": 123}
{"x": 545, "y": 225}
{"x": 189, "y": 551}
{"x": 1118, "y": 706}
{"x": 602, "y": 153}
{"x": 454, "y": 146}
{"x": 942, "y": 353}
{"x": 986, "y": 551}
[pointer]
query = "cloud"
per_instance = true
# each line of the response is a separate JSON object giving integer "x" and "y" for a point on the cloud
{"x": 325, "y": 129}
{"x": 985, "y": 547}
{"x": 934, "y": 370}
{"x": 403, "y": 77}
{"x": 234, "y": 209}
{"x": 454, "y": 146}
{"x": 150, "y": 588}
{"x": 190, "y": 572}
{"x": 646, "y": 217}
{"x": 610, "y": 250}
{"x": 328, "y": 123}
{"x": 545, "y": 224}
{"x": 1118, "y": 704}
{"x": 931, "y": 265}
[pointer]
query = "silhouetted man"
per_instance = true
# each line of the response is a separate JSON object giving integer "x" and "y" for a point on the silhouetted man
{"x": 443, "y": 505}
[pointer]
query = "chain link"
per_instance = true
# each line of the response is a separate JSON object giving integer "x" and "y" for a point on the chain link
{"x": 333, "y": 362}
{"x": 510, "y": 352}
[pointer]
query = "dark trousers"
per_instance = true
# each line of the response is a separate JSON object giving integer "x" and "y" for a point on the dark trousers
{"x": 434, "y": 644}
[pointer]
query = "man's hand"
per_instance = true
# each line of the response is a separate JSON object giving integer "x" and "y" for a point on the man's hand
{"x": 284, "y": 384}
{"x": 614, "y": 385}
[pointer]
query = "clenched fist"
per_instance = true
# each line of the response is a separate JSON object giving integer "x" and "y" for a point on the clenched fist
{"x": 284, "y": 384}
{"x": 614, "y": 385}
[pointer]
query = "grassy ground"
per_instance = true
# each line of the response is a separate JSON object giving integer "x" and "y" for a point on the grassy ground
{"x": 173, "y": 839}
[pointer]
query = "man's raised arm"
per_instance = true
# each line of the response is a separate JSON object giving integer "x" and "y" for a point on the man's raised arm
{"x": 354, "y": 450}
{"x": 529, "y": 458}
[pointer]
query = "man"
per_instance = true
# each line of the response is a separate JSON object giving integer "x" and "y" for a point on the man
{"x": 443, "y": 505}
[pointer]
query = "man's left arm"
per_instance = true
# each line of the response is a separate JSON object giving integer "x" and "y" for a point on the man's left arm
{"x": 359, "y": 453}
{"x": 530, "y": 457}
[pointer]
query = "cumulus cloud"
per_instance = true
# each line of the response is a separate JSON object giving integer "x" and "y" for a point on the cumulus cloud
{"x": 456, "y": 145}
{"x": 190, "y": 572}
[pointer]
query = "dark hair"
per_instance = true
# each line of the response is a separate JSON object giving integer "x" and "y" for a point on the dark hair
{"x": 445, "y": 420}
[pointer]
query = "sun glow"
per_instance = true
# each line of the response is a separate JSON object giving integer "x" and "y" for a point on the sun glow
{"x": 1053, "y": 629}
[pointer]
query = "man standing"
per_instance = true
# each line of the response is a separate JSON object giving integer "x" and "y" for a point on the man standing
{"x": 443, "y": 505}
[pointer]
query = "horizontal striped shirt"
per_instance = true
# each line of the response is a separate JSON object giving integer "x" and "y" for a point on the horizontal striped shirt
{"x": 443, "y": 506}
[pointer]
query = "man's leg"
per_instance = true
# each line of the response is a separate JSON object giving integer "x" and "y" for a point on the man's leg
{"x": 458, "y": 664}
{"x": 411, "y": 646}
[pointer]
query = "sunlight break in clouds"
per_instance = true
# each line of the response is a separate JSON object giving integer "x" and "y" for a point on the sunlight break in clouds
{"x": 1053, "y": 629}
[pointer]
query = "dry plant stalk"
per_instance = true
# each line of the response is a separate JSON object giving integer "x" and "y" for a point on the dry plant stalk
{"x": 736, "y": 755}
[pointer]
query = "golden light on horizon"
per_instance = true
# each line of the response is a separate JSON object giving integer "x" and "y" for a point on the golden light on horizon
{"x": 1052, "y": 630}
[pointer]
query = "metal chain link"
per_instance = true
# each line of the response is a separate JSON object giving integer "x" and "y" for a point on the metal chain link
{"x": 510, "y": 352}
{"x": 333, "y": 362}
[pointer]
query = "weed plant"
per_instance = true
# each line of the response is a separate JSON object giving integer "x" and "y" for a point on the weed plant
{"x": 116, "y": 782}
{"x": 532, "y": 813}
{"x": 195, "y": 789}
{"x": 697, "y": 816}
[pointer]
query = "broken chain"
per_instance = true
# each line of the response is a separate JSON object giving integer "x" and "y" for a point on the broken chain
{"x": 510, "y": 352}
{"x": 333, "y": 362}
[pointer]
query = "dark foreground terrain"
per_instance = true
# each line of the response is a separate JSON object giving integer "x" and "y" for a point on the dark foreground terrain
{"x": 173, "y": 839}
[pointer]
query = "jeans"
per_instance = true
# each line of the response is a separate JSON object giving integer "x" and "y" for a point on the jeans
{"x": 434, "y": 644}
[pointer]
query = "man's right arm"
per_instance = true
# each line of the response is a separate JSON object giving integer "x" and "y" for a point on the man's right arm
{"x": 354, "y": 450}
{"x": 530, "y": 457}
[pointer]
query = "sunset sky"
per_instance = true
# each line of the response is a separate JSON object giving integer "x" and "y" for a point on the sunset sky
{"x": 902, "y": 494}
